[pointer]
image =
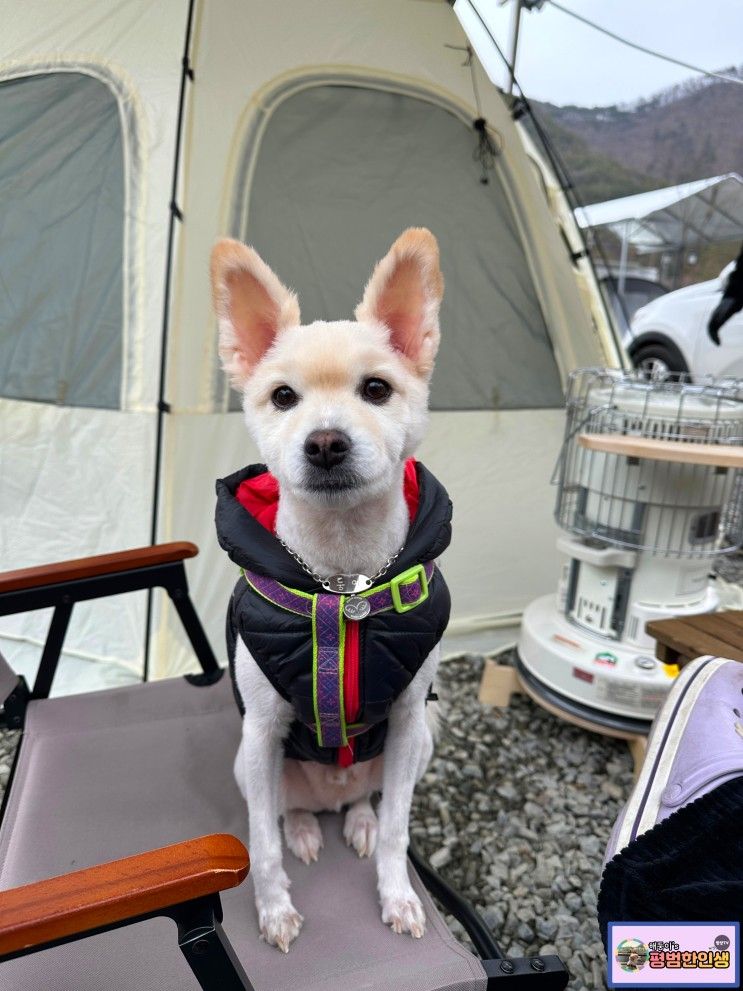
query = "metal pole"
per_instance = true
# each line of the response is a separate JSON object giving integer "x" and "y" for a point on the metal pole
{"x": 163, "y": 407}
{"x": 516, "y": 22}
{"x": 680, "y": 258}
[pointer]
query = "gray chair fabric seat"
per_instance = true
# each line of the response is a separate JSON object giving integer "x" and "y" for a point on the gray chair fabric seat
{"x": 114, "y": 773}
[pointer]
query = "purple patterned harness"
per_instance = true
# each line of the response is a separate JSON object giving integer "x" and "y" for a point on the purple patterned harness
{"x": 325, "y": 611}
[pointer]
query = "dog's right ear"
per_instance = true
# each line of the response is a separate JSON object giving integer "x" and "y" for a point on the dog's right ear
{"x": 404, "y": 293}
{"x": 252, "y": 307}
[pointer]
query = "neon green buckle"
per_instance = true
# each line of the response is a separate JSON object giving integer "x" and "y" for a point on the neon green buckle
{"x": 416, "y": 573}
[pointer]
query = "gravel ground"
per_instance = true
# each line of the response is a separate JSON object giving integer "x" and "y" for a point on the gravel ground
{"x": 8, "y": 742}
{"x": 515, "y": 811}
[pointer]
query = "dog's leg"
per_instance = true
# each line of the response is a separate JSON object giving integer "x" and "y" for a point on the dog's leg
{"x": 408, "y": 738}
{"x": 360, "y": 828}
{"x": 303, "y": 834}
{"x": 237, "y": 770}
{"x": 258, "y": 770}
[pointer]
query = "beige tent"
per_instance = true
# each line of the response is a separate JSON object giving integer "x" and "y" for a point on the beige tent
{"x": 317, "y": 132}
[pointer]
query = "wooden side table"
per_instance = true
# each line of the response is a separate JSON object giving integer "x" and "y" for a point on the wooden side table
{"x": 681, "y": 639}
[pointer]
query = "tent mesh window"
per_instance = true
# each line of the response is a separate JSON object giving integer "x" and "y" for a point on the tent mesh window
{"x": 61, "y": 249}
{"x": 340, "y": 171}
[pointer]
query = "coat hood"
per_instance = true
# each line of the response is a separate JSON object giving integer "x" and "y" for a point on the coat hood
{"x": 247, "y": 537}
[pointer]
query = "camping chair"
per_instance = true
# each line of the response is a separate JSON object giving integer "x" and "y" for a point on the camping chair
{"x": 97, "y": 848}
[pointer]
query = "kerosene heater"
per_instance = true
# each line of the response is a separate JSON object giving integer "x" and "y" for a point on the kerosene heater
{"x": 648, "y": 494}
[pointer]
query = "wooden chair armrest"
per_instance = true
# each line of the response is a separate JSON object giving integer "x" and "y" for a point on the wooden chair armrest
{"x": 72, "y": 904}
{"x": 91, "y": 567}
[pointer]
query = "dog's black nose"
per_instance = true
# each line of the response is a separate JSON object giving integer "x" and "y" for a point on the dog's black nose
{"x": 327, "y": 448}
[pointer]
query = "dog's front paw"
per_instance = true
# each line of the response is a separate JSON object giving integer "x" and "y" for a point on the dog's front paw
{"x": 303, "y": 835}
{"x": 404, "y": 914}
{"x": 360, "y": 829}
{"x": 280, "y": 926}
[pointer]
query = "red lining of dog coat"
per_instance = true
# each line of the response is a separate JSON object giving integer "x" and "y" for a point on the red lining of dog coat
{"x": 260, "y": 496}
{"x": 351, "y": 688}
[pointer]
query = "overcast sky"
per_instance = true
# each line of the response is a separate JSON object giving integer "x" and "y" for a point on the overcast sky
{"x": 564, "y": 61}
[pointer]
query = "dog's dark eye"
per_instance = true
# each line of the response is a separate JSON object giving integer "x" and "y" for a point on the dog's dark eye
{"x": 284, "y": 397}
{"x": 376, "y": 390}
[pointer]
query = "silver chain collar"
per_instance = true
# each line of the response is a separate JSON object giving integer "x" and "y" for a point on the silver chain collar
{"x": 342, "y": 584}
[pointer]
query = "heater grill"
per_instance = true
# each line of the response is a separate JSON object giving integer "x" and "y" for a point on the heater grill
{"x": 665, "y": 507}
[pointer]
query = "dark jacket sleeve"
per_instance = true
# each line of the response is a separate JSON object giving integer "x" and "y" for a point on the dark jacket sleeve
{"x": 734, "y": 288}
{"x": 730, "y": 303}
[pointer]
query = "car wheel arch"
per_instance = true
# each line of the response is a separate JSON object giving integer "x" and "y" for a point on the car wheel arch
{"x": 656, "y": 337}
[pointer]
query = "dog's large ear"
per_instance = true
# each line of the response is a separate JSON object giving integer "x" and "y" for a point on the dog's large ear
{"x": 404, "y": 293}
{"x": 252, "y": 307}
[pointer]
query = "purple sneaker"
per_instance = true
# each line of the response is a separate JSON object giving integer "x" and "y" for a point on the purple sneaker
{"x": 696, "y": 744}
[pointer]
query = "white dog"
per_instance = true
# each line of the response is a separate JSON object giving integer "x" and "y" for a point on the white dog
{"x": 336, "y": 410}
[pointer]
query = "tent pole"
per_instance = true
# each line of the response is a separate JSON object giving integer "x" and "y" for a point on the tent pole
{"x": 162, "y": 406}
{"x": 680, "y": 253}
{"x": 516, "y": 26}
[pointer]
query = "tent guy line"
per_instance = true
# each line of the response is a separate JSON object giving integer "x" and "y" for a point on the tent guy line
{"x": 642, "y": 48}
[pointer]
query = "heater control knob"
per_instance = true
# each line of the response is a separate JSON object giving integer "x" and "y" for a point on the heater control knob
{"x": 645, "y": 663}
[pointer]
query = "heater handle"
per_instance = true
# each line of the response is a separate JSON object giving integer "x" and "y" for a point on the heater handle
{"x": 602, "y": 557}
{"x": 681, "y": 451}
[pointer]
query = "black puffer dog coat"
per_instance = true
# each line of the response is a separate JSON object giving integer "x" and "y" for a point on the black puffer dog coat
{"x": 383, "y": 653}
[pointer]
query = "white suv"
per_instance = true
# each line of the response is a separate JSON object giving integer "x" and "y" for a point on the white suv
{"x": 669, "y": 335}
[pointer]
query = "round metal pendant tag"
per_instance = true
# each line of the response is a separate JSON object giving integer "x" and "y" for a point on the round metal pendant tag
{"x": 356, "y": 608}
